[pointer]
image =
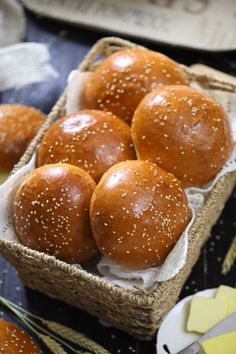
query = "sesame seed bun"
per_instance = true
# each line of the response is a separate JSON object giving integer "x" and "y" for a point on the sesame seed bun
{"x": 15, "y": 340}
{"x": 90, "y": 139}
{"x": 120, "y": 82}
{"x": 138, "y": 212}
{"x": 184, "y": 131}
{"x": 18, "y": 126}
{"x": 51, "y": 212}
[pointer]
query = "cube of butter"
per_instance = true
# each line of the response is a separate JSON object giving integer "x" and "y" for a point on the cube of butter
{"x": 228, "y": 295}
{"x": 224, "y": 344}
{"x": 205, "y": 313}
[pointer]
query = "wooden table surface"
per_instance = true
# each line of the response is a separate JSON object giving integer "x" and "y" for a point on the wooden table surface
{"x": 67, "y": 46}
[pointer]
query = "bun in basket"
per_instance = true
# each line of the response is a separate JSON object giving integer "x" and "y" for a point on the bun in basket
{"x": 18, "y": 126}
{"x": 51, "y": 212}
{"x": 90, "y": 139}
{"x": 15, "y": 340}
{"x": 184, "y": 131}
{"x": 138, "y": 212}
{"x": 124, "y": 78}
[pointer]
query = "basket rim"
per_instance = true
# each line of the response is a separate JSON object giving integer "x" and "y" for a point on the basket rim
{"x": 140, "y": 296}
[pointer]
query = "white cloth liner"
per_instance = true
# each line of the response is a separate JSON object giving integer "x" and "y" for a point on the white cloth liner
{"x": 7, "y": 193}
{"x": 109, "y": 270}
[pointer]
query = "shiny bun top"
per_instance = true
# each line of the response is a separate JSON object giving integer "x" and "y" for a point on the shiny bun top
{"x": 125, "y": 77}
{"x": 18, "y": 126}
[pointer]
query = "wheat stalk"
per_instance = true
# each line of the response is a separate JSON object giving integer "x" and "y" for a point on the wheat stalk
{"x": 26, "y": 318}
{"x": 230, "y": 258}
{"x": 73, "y": 336}
{"x": 54, "y": 347}
{"x": 59, "y": 329}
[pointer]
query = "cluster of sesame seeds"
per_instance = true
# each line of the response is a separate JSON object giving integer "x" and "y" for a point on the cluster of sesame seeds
{"x": 52, "y": 217}
{"x": 16, "y": 340}
{"x": 95, "y": 146}
{"x": 44, "y": 211}
{"x": 3, "y": 136}
{"x": 18, "y": 125}
{"x": 132, "y": 73}
{"x": 184, "y": 129}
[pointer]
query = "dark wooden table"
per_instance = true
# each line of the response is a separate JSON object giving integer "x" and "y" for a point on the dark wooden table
{"x": 67, "y": 46}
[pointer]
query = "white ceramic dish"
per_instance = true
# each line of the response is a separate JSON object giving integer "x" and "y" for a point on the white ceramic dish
{"x": 172, "y": 332}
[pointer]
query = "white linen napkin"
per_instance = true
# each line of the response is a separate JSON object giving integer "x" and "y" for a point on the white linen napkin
{"x": 23, "y": 64}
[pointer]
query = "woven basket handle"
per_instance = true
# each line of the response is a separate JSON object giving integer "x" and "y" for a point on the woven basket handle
{"x": 105, "y": 47}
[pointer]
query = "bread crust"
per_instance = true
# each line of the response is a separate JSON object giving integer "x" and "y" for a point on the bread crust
{"x": 15, "y": 340}
{"x": 184, "y": 131}
{"x": 18, "y": 126}
{"x": 138, "y": 212}
{"x": 125, "y": 77}
{"x": 51, "y": 212}
{"x": 90, "y": 139}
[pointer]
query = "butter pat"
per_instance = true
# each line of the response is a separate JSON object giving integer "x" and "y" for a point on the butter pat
{"x": 228, "y": 295}
{"x": 224, "y": 344}
{"x": 205, "y": 313}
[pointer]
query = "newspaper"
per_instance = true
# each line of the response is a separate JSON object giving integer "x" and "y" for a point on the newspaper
{"x": 202, "y": 24}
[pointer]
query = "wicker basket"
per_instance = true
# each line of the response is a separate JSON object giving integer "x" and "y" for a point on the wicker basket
{"x": 137, "y": 312}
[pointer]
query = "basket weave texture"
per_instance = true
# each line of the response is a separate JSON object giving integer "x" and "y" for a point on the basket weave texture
{"x": 138, "y": 312}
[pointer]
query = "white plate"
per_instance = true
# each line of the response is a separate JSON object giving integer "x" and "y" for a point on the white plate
{"x": 172, "y": 331}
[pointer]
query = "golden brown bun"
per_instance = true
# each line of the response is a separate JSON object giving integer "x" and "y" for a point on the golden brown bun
{"x": 92, "y": 140}
{"x": 14, "y": 340}
{"x": 137, "y": 213}
{"x": 18, "y": 125}
{"x": 184, "y": 131}
{"x": 51, "y": 212}
{"x": 124, "y": 78}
